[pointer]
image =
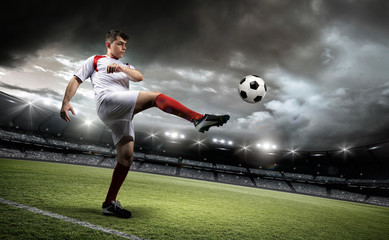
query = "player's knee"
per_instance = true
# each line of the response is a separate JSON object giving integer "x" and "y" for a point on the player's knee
{"x": 156, "y": 93}
{"x": 126, "y": 159}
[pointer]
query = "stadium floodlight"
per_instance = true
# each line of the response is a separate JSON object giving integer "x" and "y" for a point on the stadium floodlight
{"x": 222, "y": 141}
{"x": 174, "y": 135}
{"x": 245, "y": 148}
{"x": 344, "y": 149}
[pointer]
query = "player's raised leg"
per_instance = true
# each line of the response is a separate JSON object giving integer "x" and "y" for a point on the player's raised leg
{"x": 125, "y": 150}
{"x": 167, "y": 104}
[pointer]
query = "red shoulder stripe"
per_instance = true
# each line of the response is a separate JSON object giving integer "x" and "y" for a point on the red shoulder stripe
{"x": 95, "y": 59}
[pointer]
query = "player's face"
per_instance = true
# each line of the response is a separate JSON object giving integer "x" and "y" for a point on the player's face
{"x": 118, "y": 47}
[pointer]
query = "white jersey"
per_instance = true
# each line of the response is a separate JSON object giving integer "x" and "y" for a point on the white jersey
{"x": 103, "y": 83}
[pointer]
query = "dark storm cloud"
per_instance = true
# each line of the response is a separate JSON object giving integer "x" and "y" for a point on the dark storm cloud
{"x": 205, "y": 32}
{"x": 35, "y": 24}
{"x": 43, "y": 92}
{"x": 200, "y": 33}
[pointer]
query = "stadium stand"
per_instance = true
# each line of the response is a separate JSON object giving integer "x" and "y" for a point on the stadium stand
{"x": 234, "y": 179}
{"x": 155, "y": 168}
{"x": 265, "y": 173}
{"x": 197, "y": 163}
{"x": 309, "y": 189}
{"x": 297, "y": 177}
{"x": 197, "y": 174}
{"x": 230, "y": 168}
{"x": 345, "y": 195}
{"x": 272, "y": 184}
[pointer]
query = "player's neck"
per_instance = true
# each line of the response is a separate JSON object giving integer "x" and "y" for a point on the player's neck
{"x": 109, "y": 54}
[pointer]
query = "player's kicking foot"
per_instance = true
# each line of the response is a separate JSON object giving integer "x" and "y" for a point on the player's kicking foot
{"x": 115, "y": 209}
{"x": 203, "y": 124}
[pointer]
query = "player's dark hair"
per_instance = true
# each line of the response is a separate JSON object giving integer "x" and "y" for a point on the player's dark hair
{"x": 113, "y": 33}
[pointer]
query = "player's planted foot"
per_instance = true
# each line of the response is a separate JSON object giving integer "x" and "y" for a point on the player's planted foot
{"x": 203, "y": 124}
{"x": 115, "y": 209}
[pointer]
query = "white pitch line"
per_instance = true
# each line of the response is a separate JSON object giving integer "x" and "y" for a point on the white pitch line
{"x": 71, "y": 220}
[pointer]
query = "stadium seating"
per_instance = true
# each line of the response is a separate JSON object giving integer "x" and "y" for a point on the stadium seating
{"x": 156, "y": 168}
{"x": 197, "y": 163}
{"x": 234, "y": 179}
{"x": 309, "y": 189}
{"x": 272, "y": 184}
{"x": 346, "y": 195}
{"x": 197, "y": 174}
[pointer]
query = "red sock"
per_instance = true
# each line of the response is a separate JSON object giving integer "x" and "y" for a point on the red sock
{"x": 119, "y": 174}
{"x": 170, "y": 105}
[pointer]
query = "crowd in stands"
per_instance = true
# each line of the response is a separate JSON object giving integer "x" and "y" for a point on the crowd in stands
{"x": 29, "y": 146}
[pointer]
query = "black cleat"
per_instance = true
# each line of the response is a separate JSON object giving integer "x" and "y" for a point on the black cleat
{"x": 115, "y": 209}
{"x": 204, "y": 123}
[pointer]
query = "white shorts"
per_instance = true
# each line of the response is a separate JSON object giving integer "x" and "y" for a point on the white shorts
{"x": 117, "y": 111}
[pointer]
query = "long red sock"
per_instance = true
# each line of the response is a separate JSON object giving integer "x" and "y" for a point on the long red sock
{"x": 119, "y": 174}
{"x": 169, "y": 105}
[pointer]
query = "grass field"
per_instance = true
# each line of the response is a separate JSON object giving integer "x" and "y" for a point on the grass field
{"x": 166, "y": 207}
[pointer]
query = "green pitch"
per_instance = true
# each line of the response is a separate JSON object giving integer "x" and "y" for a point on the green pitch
{"x": 172, "y": 208}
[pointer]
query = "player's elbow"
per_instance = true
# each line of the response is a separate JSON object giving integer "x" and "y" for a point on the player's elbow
{"x": 139, "y": 77}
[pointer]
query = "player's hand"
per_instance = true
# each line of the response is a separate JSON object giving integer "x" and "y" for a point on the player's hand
{"x": 66, "y": 107}
{"x": 114, "y": 67}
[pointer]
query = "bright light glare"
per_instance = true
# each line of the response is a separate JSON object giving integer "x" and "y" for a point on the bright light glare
{"x": 223, "y": 141}
{"x": 88, "y": 122}
{"x": 266, "y": 146}
{"x": 174, "y": 135}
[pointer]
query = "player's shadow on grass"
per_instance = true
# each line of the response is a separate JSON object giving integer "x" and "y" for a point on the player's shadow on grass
{"x": 137, "y": 211}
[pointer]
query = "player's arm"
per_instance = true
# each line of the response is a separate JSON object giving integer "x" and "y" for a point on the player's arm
{"x": 71, "y": 90}
{"x": 133, "y": 74}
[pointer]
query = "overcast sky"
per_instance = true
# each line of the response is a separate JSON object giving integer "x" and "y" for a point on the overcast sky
{"x": 326, "y": 63}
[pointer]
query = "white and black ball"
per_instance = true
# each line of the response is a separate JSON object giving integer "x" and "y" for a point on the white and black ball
{"x": 252, "y": 89}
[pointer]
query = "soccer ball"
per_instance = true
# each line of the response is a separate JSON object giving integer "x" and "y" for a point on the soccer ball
{"x": 252, "y": 89}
